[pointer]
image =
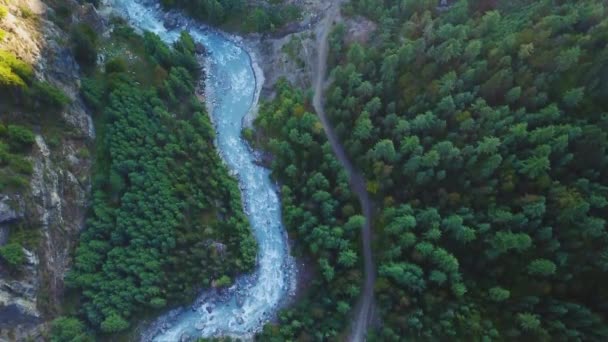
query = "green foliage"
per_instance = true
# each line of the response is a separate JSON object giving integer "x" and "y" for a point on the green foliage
{"x": 116, "y": 65}
{"x": 542, "y": 267}
{"x": 48, "y": 97}
{"x": 68, "y": 329}
{"x": 19, "y": 138}
{"x": 528, "y": 321}
{"x": 84, "y": 42}
{"x": 498, "y": 294}
{"x": 481, "y": 131}
{"x": 239, "y": 14}
{"x": 13, "y": 71}
{"x": 114, "y": 323}
{"x": 319, "y": 213}
{"x": 20, "y": 90}
{"x": 13, "y": 255}
{"x": 223, "y": 281}
{"x": 3, "y": 12}
{"x": 160, "y": 193}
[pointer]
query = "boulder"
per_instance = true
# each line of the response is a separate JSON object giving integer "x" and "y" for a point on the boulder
{"x": 170, "y": 23}
{"x": 200, "y": 49}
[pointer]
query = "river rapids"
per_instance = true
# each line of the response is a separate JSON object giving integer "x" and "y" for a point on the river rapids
{"x": 232, "y": 90}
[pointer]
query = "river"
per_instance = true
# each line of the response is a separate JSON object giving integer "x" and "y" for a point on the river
{"x": 232, "y": 91}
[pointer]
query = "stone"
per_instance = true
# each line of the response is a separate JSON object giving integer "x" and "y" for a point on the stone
{"x": 88, "y": 14}
{"x": 220, "y": 248}
{"x": 170, "y": 23}
{"x": 10, "y": 210}
{"x": 200, "y": 49}
{"x": 240, "y": 300}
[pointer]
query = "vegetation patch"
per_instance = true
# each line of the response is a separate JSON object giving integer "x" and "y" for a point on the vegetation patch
{"x": 161, "y": 195}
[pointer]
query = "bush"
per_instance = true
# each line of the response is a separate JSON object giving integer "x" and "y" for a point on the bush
{"x": 223, "y": 281}
{"x": 116, "y": 65}
{"x": 13, "y": 255}
{"x": 13, "y": 71}
{"x": 3, "y": 12}
{"x": 21, "y": 165}
{"x": 84, "y": 45}
{"x": 69, "y": 329}
{"x": 20, "y": 138}
{"x": 26, "y": 13}
{"x": 114, "y": 323}
{"x": 48, "y": 96}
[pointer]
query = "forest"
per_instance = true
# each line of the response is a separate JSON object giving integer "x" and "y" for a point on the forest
{"x": 166, "y": 218}
{"x": 320, "y": 213}
{"x": 239, "y": 15}
{"x": 480, "y": 126}
{"x": 481, "y": 131}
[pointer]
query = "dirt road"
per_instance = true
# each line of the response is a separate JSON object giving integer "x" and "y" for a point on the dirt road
{"x": 364, "y": 310}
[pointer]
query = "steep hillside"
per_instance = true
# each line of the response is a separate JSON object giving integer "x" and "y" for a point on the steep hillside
{"x": 44, "y": 163}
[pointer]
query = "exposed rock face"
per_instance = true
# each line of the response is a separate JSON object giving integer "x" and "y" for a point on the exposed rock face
{"x": 57, "y": 200}
{"x": 11, "y": 209}
{"x": 88, "y": 14}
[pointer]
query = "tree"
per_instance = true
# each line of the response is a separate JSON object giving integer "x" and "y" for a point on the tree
{"x": 13, "y": 255}
{"x": 114, "y": 323}
{"x": 528, "y": 321}
{"x": 406, "y": 274}
{"x": 574, "y": 96}
{"x": 499, "y": 294}
{"x": 347, "y": 258}
{"x": 568, "y": 58}
{"x": 542, "y": 267}
{"x": 69, "y": 329}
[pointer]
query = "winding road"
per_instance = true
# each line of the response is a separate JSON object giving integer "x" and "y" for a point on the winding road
{"x": 365, "y": 307}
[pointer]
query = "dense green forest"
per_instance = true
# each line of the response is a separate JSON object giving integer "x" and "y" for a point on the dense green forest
{"x": 482, "y": 131}
{"x": 163, "y": 203}
{"x": 481, "y": 128}
{"x": 240, "y": 15}
{"x": 320, "y": 213}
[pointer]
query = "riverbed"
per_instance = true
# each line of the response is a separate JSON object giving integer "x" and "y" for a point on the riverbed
{"x": 232, "y": 88}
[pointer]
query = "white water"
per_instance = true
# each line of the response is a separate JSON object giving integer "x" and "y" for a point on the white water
{"x": 232, "y": 91}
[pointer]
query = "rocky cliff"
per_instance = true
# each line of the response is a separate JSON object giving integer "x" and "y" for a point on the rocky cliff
{"x": 55, "y": 204}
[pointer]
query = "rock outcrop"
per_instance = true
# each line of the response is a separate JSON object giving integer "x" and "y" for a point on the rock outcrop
{"x": 56, "y": 202}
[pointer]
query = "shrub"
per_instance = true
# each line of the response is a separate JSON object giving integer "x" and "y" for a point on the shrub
{"x": 13, "y": 255}
{"x": 116, "y": 65}
{"x": 114, "y": 323}
{"x": 20, "y": 138}
{"x": 48, "y": 96}
{"x": 68, "y": 329}
{"x": 26, "y": 13}
{"x": 84, "y": 45}
{"x": 223, "y": 281}
{"x": 13, "y": 71}
{"x": 3, "y": 12}
{"x": 21, "y": 165}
